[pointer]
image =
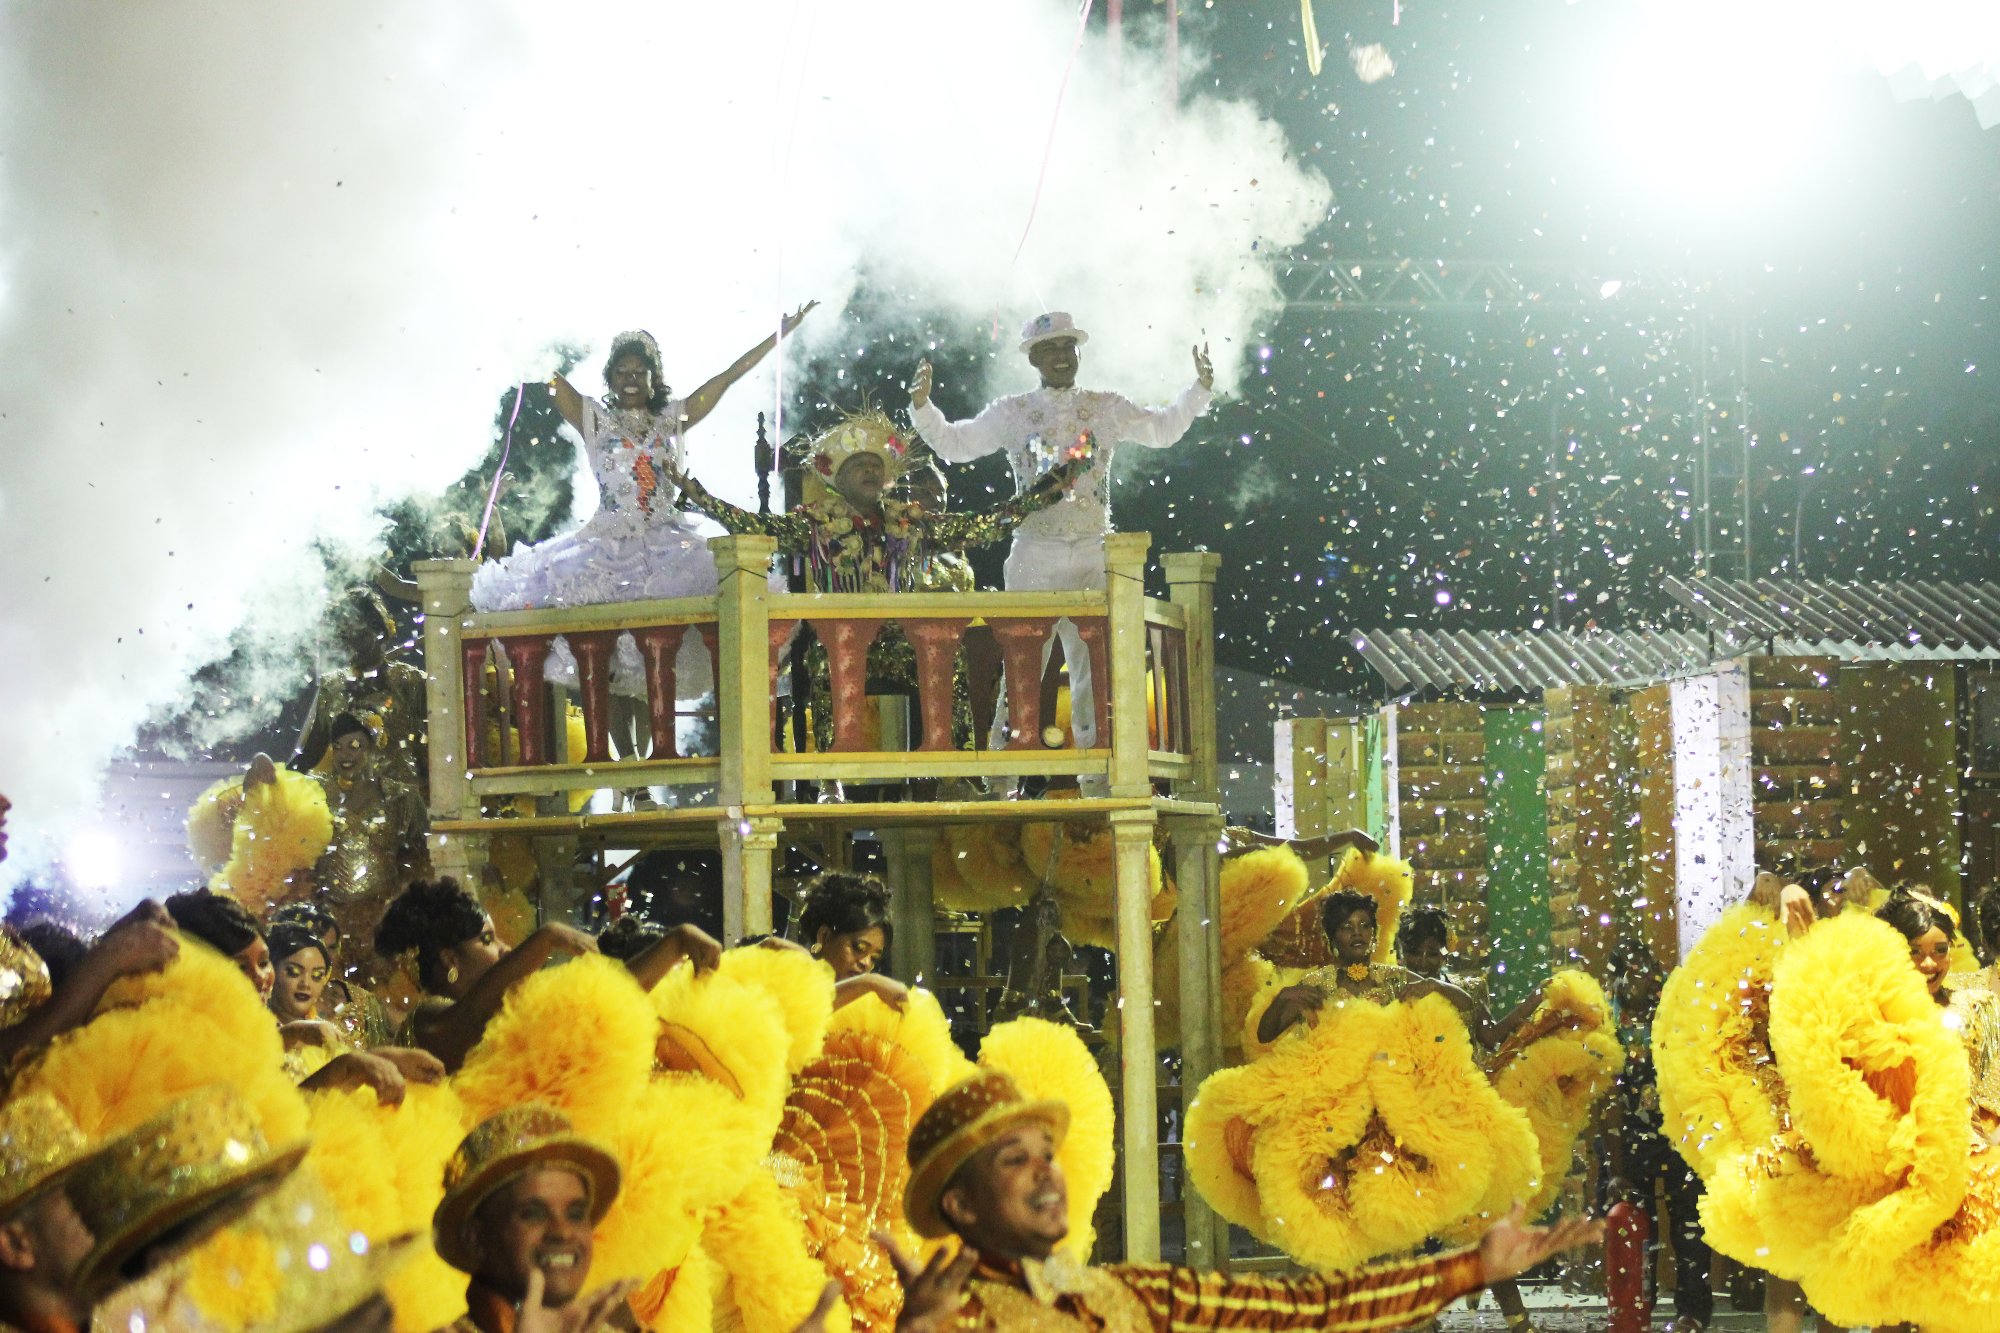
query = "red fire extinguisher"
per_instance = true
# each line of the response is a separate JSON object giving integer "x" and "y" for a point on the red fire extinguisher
{"x": 1629, "y": 1304}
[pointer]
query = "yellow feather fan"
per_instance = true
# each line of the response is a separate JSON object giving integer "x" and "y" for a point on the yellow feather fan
{"x": 1049, "y": 1061}
{"x": 1077, "y": 861}
{"x": 760, "y": 1241}
{"x": 802, "y": 986}
{"x": 1560, "y": 1064}
{"x": 685, "y": 1146}
{"x": 1243, "y": 981}
{"x": 919, "y": 1027}
{"x": 167, "y": 1034}
{"x": 978, "y": 868}
{"x": 578, "y": 1037}
{"x": 728, "y": 1029}
{"x": 282, "y": 827}
{"x": 1717, "y": 1090}
{"x": 1258, "y": 890}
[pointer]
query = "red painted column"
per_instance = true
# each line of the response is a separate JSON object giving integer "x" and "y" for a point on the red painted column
{"x": 1626, "y": 1232}
{"x": 472, "y": 668}
{"x": 846, "y": 643}
{"x": 593, "y": 652}
{"x": 527, "y": 654}
{"x": 1021, "y": 649}
{"x": 1091, "y": 630}
{"x": 659, "y": 645}
{"x": 936, "y": 645}
{"x": 780, "y": 637}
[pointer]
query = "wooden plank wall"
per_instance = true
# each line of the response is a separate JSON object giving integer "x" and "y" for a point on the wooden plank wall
{"x": 1441, "y": 801}
{"x": 1653, "y": 753}
{"x": 1795, "y": 741}
{"x": 1591, "y": 795}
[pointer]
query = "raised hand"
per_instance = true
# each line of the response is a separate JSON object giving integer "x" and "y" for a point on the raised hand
{"x": 588, "y": 1311}
{"x": 1512, "y": 1247}
{"x": 414, "y": 1065}
{"x": 932, "y": 1293}
{"x": 133, "y": 947}
{"x": 260, "y": 772}
{"x": 698, "y": 946}
{"x": 792, "y": 321}
{"x": 920, "y": 385}
{"x": 1204, "y": 370}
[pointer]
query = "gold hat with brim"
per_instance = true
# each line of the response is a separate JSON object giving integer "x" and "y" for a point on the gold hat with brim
{"x": 963, "y": 1120}
{"x": 24, "y": 978}
{"x": 39, "y": 1146}
{"x": 502, "y": 1149}
{"x": 288, "y": 1265}
{"x": 171, "y": 1181}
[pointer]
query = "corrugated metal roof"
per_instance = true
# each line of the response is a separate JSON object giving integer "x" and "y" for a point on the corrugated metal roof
{"x": 1918, "y": 620}
{"x": 1529, "y": 661}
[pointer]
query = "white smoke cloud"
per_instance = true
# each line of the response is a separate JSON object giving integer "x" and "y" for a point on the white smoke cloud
{"x": 265, "y": 267}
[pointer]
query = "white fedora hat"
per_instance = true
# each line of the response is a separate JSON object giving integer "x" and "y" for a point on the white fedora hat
{"x": 1047, "y": 328}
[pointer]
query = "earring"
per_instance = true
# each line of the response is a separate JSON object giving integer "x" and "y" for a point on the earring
{"x": 451, "y": 975}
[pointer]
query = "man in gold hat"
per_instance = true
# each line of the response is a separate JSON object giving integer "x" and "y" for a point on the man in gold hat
{"x": 521, "y": 1196}
{"x": 42, "y": 1240}
{"x": 983, "y": 1167}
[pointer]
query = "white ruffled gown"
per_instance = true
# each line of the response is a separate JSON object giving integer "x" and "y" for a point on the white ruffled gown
{"x": 637, "y": 547}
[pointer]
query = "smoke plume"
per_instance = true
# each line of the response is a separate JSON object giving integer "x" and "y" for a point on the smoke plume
{"x": 267, "y": 267}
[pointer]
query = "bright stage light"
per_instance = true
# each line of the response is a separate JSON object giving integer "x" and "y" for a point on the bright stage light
{"x": 93, "y": 859}
{"x": 1717, "y": 102}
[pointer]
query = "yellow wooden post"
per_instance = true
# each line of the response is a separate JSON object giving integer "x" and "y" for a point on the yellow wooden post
{"x": 743, "y": 724}
{"x": 1191, "y": 584}
{"x": 1125, "y": 583}
{"x": 1131, "y": 840}
{"x": 913, "y": 909}
{"x": 446, "y": 586}
{"x": 1198, "y": 875}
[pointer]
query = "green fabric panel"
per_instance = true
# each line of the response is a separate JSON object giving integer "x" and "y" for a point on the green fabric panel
{"x": 1375, "y": 782}
{"x": 1517, "y": 853}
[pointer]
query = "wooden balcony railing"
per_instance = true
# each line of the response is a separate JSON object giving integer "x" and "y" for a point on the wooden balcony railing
{"x": 497, "y": 725}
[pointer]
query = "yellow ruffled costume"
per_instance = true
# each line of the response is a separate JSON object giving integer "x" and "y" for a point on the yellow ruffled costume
{"x": 1557, "y": 1067}
{"x": 1048, "y": 1061}
{"x": 1360, "y": 1136}
{"x": 1824, "y": 1097}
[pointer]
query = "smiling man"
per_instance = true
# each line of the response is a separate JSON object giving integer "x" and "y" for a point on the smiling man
{"x": 522, "y": 1195}
{"x": 1060, "y": 549}
{"x": 983, "y": 1167}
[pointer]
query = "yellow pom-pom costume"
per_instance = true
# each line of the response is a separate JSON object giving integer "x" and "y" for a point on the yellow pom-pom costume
{"x": 1049, "y": 1062}
{"x": 253, "y": 843}
{"x": 1559, "y": 1064}
{"x": 1360, "y": 1135}
{"x": 1825, "y": 1097}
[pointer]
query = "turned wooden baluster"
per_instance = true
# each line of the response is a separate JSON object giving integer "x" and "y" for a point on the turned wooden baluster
{"x": 936, "y": 645}
{"x": 592, "y": 652}
{"x": 780, "y": 637}
{"x": 846, "y": 643}
{"x": 1091, "y": 630}
{"x": 472, "y": 666}
{"x": 528, "y": 654}
{"x": 659, "y": 646}
{"x": 1021, "y": 649}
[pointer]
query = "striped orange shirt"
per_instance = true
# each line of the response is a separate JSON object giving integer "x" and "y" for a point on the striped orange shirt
{"x": 1062, "y": 1297}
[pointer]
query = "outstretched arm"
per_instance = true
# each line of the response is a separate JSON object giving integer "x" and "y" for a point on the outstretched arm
{"x": 452, "y": 1034}
{"x": 142, "y": 941}
{"x": 793, "y": 531}
{"x": 949, "y": 532}
{"x": 1157, "y": 428}
{"x": 569, "y": 403}
{"x": 708, "y": 395}
{"x": 955, "y": 441}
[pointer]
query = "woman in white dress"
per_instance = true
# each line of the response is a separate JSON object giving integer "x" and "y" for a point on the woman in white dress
{"x": 638, "y": 546}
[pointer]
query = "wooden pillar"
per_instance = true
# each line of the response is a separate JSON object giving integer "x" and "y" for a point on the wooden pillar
{"x": 1198, "y": 874}
{"x": 1191, "y": 585}
{"x": 1139, "y": 1127}
{"x": 446, "y": 587}
{"x": 742, "y": 709}
{"x": 1125, "y": 583}
{"x": 913, "y": 954}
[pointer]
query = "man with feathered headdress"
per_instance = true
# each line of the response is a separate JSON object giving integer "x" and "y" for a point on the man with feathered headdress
{"x": 855, "y": 537}
{"x": 983, "y": 1168}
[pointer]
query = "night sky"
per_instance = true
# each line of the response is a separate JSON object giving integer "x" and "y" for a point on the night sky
{"x": 1381, "y": 470}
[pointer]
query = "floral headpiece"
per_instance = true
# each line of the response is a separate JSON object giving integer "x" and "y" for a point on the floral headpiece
{"x": 869, "y": 432}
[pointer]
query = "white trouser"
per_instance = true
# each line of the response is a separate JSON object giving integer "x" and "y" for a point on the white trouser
{"x": 1042, "y": 564}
